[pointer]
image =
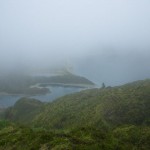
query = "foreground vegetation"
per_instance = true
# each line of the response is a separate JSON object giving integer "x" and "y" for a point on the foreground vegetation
{"x": 18, "y": 137}
{"x": 115, "y": 118}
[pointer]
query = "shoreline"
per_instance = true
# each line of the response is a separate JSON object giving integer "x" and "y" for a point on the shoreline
{"x": 42, "y": 85}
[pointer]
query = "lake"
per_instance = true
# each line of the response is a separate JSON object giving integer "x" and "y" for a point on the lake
{"x": 56, "y": 91}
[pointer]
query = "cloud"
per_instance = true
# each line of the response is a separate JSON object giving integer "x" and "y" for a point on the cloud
{"x": 45, "y": 33}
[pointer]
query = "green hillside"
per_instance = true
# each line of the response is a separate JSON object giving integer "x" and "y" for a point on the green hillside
{"x": 128, "y": 104}
{"x": 24, "y": 110}
{"x": 116, "y": 118}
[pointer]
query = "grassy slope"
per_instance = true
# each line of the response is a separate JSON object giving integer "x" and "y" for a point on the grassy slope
{"x": 128, "y": 104}
{"x": 24, "y": 110}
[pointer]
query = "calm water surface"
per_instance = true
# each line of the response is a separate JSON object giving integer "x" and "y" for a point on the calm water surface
{"x": 56, "y": 91}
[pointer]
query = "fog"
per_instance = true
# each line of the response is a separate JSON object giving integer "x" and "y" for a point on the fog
{"x": 103, "y": 40}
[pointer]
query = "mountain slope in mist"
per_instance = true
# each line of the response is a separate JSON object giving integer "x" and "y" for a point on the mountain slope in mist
{"x": 127, "y": 104}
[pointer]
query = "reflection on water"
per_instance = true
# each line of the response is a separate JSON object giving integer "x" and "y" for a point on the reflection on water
{"x": 56, "y": 91}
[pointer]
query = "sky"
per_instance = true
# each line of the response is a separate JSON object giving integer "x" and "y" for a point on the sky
{"x": 104, "y": 40}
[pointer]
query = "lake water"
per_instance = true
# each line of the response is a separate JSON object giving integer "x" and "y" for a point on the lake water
{"x": 56, "y": 91}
